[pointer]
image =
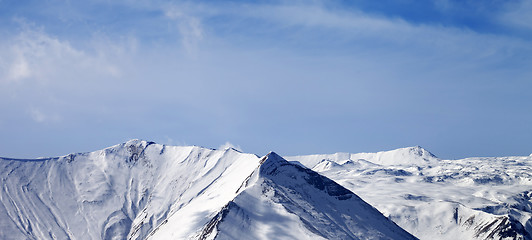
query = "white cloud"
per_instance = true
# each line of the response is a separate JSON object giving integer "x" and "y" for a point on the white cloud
{"x": 309, "y": 59}
{"x": 48, "y": 73}
{"x": 41, "y": 117}
{"x": 189, "y": 26}
{"x": 18, "y": 69}
{"x": 33, "y": 54}
{"x": 356, "y": 29}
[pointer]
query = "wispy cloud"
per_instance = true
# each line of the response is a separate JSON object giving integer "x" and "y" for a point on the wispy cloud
{"x": 356, "y": 25}
{"x": 518, "y": 14}
{"x": 189, "y": 26}
{"x": 34, "y": 54}
{"x": 294, "y": 73}
{"x": 48, "y": 72}
{"x": 18, "y": 69}
{"x": 227, "y": 145}
{"x": 41, "y": 117}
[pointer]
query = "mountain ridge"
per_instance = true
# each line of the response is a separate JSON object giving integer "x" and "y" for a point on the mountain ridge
{"x": 265, "y": 178}
{"x": 415, "y": 155}
{"x": 142, "y": 190}
{"x": 471, "y": 198}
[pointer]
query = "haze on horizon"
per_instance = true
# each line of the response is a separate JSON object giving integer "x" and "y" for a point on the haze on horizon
{"x": 294, "y": 77}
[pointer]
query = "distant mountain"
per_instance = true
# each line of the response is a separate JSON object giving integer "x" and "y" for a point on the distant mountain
{"x": 473, "y": 198}
{"x": 402, "y": 156}
{"x": 143, "y": 190}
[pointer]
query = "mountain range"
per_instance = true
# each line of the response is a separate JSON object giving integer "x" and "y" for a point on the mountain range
{"x": 432, "y": 198}
{"x": 144, "y": 190}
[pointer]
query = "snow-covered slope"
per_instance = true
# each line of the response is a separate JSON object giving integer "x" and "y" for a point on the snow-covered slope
{"x": 402, "y": 156}
{"x": 125, "y": 191}
{"x": 285, "y": 201}
{"x": 143, "y": 190}
{"x": 474, "y": 198}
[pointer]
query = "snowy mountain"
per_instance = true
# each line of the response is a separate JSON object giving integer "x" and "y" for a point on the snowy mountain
{"x": 143, "y": 190}
{"x": 473, "y": 198}
{"x": 402, "y": 156}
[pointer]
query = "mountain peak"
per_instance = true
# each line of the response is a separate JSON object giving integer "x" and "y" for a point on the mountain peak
{"x": 415, "y": 155}
{"x": 271, "y": 156}
{"x": 310, "y": 205}
{"x": 270, "y": 162}
{"x": 138, "y": 142}
{"x": 420, "y": 151}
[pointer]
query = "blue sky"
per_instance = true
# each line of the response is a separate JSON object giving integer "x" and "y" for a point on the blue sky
{"x": 295, "y": 77}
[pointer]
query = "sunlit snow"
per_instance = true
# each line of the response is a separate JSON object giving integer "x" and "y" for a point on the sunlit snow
{"x": 143, "y": 190}
{"x": 484, "y": 198}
